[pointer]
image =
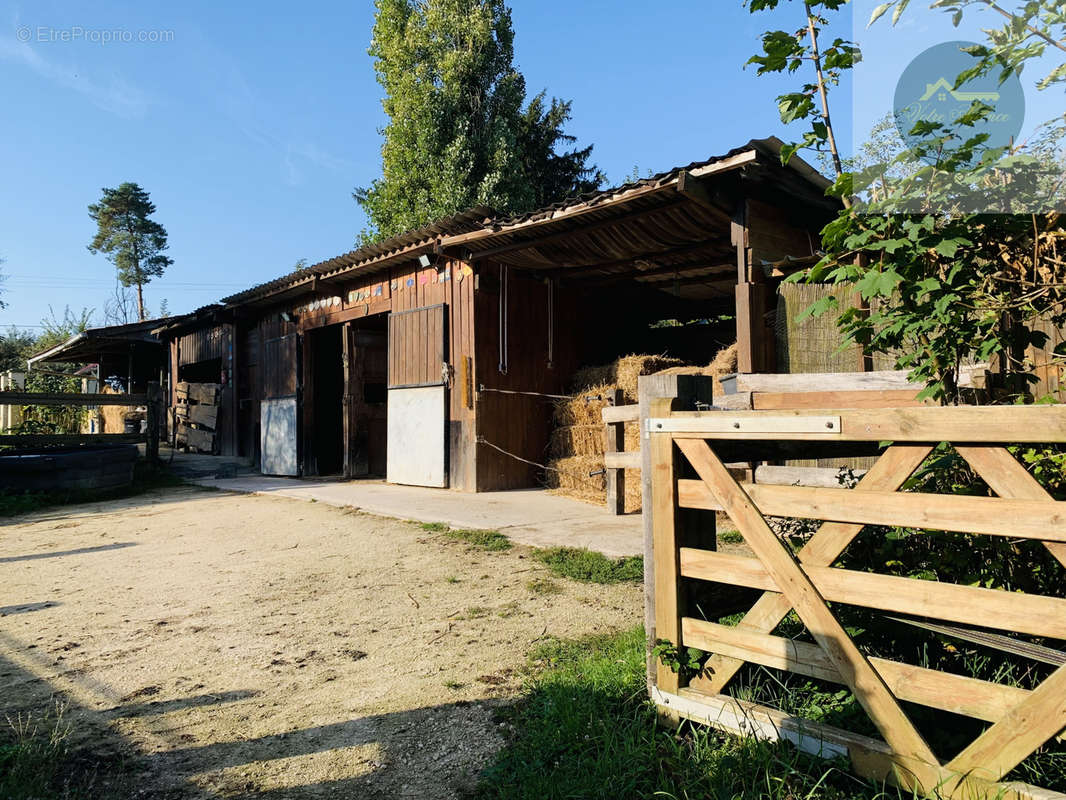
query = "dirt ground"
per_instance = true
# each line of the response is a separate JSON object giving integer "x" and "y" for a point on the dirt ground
{"x": 210, "y": 645}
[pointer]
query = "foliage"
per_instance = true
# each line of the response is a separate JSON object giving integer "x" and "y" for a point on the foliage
{"x": 589, "y": 566}
{"x": 685, "y": 661}
{"x": 585, "y": 728}
{"x": 32, "y": 752}
{"x": 948, "y": 245}
{"x": 130, "y": 239}
{"x": 784, "y": 51}
{"x": 492, "y": 541}
{"x": 15, "y": 347}
{"x": 459, "y": 134}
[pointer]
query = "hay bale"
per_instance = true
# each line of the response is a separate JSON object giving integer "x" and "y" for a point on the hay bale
{"x": 621, "y": 374}
{"x": 569, "y": 477}
{"x": 576, "y": 440}
{"x": 723, "y": 363}
{"x": 584, "y": 407}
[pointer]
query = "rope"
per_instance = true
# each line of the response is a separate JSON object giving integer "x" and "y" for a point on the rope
{"x": 487, "y": 443}
{"x": 530, "y": 394}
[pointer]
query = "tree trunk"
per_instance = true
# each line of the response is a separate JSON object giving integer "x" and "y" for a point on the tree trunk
{"x": 140, "y": 303}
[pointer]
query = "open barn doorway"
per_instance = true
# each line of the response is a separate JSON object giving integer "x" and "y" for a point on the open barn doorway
{"x": 324, "y": 403}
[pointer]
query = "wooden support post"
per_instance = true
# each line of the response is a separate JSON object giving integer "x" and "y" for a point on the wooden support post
{"x": 615, "y": 442}
{"x": 686, "y": 392}
{"x": 155, "y": 409}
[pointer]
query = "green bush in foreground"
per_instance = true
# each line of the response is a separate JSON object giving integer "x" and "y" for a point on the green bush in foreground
{"x": 589, "y": 566}
{"x": 586, "y": 730}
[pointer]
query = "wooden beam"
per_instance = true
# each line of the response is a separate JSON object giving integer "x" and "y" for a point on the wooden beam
{"x": 622, "y": 460}
{"x": 615, "y": 414}
{"x": 60, "y": 399}
{"x": 580, "y": 270}
{"x": 991, "y": 608}
{"x": 697, "y": 190}
{"x": 526, "y": 244}
{"x": 50, "y": 439}
{"x": 884, "y": 398}
{"x": 664, "y": 511}
{"x": 991, "y": 516}
{"x": 964, "y": 424}
{"x": 943, "y": 691}
{"x": 918, "y": 766}
{"x": 614, "y": 436}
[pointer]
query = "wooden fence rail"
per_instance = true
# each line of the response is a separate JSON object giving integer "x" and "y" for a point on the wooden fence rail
{"x": 152, "y": 400}
{"x": 689, "y": 482}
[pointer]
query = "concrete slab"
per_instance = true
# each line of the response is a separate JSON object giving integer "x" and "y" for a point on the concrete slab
{"x": 527, "y": 516}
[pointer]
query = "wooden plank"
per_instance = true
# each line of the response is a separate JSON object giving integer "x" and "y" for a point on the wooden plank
{"x": 620, "y": 461}
{"x": 917, "y": 762}
{"x": 825, "y": 477}
{"x": 203, "y": 415}
{"x": 667, "y": 566}
{"x": 1007, "y": 478}
{"x": 204, "y": 392}
{"x": 964, "y": 424}
{"x": 993, "y": 516}
{"x": 59, "y": 399}
{"x": 832, "y": 381}
{"x": 51, "y": 439}
{"x": 928, "y": 687}
{"x": 869, "y": 757}
{"x": 990, "y": 608}
{"x": 620, "y": 413}
{"x": 882, "y": 398}
{"x": 737, "y": 424}
{"x": 203, "y": 441}
{"x": 614, "y": 437}
{"x": 829, "y": 541}
{"x": 1012, "y": 739}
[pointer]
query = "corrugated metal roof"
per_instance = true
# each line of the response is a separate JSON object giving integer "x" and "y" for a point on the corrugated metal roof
{"x": 469, "y": 220}
{"x": 474, "y": 223}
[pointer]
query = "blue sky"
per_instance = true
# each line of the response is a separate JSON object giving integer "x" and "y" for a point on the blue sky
{"x": 250, "y": 124}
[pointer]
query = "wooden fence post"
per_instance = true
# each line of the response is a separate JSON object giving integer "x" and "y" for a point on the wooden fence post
{"x": 151, "y": 447}
{"x": 615, "y": 442}
{"x": 687, "y": 392}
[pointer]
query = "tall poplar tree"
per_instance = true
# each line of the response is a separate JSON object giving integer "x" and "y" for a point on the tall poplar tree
{"x": 460, "y": 132}
{"x": 132, "y": 241}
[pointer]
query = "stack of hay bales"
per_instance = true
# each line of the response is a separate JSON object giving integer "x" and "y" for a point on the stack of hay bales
{"x": 577, "y": 444}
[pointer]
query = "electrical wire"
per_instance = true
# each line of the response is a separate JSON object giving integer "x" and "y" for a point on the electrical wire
{"x": 487, "y": 443}
{"x": 528, "y": 394}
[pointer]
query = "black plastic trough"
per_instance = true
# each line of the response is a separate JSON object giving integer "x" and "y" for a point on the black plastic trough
{"x": 59, "y": 469}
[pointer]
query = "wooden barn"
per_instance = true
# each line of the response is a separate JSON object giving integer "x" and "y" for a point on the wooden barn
{"x": 429, "y": 358}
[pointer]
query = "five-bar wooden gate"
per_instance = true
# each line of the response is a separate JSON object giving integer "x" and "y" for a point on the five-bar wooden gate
{"x": 689, "y": 479}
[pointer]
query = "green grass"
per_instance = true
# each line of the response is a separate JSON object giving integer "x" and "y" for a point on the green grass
{"x": 492, "y": 541}
{"x": 543, "y": 586}
{"x": 590, "y": 566}
{"x": 433, "y": 527}
{"x": 584, "y": 729}
{"x": 730, "y": 537}
{"x": 37, "y": 762}
{"x": 144, "y": 480}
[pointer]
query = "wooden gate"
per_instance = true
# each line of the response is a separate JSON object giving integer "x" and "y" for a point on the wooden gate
{"x": 688, "y": 451}
{"x": 279, "y": 408}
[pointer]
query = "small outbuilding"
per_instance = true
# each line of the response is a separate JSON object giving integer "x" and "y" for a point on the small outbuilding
{"x": 430, "y": 358}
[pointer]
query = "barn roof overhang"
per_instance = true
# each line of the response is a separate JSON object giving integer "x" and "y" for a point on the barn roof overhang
{"x": 90, "y": 345}
{"x": 672, "y": 231}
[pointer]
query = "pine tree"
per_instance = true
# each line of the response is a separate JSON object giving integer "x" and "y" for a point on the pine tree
{"x": 460, "y": 132}
{"x": 132, "y": 242}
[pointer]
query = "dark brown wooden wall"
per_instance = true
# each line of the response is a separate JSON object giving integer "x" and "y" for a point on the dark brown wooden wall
{"x": 519, "y": 424}
{"x": 205, "y": 344}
